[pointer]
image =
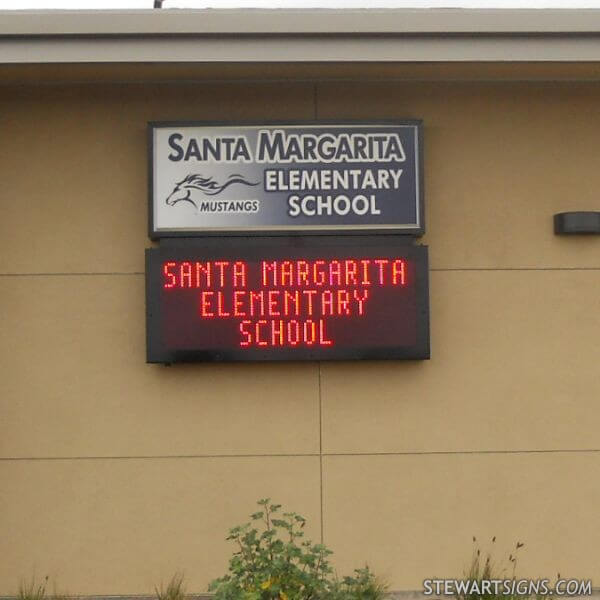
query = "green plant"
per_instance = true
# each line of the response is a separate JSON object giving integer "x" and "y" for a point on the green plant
{"x": 175, "y": 589}
{"x": 362, "y": 586}
{"x": 32, "y": 590}
{"x": 37, "y": 591}
{"x": 275, "y": 562}
{"x": 486, "y": 568}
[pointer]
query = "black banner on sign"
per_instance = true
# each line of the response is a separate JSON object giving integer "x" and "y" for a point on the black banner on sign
{"x": 295, "y": 298}
{"x": 284, "y": 178}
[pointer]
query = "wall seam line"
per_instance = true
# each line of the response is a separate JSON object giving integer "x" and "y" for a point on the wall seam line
{"x": 155, "y": 457}
{"x": 432, "y": 270}
{"x": 98, "y": 274}
{"x": 326, "y": 80}
{"x": 306, "y": 455}
{"x": 321, "y": 455}
{"x": 316, "y": 117}
{"x": 515, "y": 269}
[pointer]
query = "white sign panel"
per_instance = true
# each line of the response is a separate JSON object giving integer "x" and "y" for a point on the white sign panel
{"x": 286, "y": 177}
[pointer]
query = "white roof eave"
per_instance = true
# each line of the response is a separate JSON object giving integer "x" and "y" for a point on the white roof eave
{"x": 321, "y": 35}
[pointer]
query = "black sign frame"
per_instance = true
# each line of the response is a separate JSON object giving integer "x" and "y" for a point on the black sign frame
{"x": 215, "y": 247}
{"x": 367, "y": 231}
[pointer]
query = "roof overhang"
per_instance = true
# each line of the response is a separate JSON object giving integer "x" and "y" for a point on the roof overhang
{"x": 284, "y": 36}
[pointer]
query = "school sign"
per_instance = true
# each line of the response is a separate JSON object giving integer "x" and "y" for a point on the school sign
{"x": 207, "y": 177}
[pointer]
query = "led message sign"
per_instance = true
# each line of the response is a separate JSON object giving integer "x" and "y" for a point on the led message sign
{"x": 293, "y": 298}
{"x": 208, "y": 178}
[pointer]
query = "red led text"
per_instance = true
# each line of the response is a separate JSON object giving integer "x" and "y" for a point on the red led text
{"x": 284, "y": 303}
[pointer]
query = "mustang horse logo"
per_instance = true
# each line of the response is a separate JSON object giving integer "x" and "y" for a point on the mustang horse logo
{"x": 207, "y": 185}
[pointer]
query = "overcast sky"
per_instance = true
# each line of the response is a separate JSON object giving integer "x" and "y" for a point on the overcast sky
{"x": 91, "y": 4}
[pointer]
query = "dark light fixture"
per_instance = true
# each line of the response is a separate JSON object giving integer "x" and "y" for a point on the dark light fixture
{"x": 572, "y": 223}
{"x": 158, "y": 3}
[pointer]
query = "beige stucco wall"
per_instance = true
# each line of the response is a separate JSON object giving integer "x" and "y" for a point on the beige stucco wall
{"x": 114, "y": 474}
